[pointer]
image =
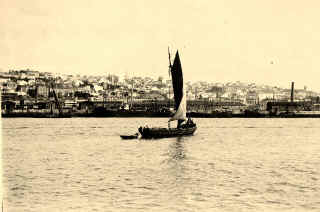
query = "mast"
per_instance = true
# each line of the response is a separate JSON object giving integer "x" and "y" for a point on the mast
{"x": 131, "y": 93}
{"x": 170, "y": 66}
{"x": 169, "y": 97}
{"x": 56, "y": 100}
{"x": 49, "y": 97}
{"x": 169, "y": 75}
{"x": 36, "y": 92}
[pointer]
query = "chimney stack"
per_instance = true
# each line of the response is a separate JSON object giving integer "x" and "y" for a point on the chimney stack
{"x": 292, "y": 91}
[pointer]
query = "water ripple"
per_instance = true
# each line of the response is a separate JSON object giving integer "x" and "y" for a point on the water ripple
{"x": 228, "y": 165}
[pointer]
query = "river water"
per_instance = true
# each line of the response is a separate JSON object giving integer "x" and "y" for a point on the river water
{"x": 81, "y": 164}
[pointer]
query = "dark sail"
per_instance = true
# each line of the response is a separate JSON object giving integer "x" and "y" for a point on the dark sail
{"x": 177, "y": 80}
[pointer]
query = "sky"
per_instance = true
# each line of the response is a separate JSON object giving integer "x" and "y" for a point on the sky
{"x": 267, "y": 42}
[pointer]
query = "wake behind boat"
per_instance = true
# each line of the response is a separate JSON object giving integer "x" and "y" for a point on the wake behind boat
{"x": 182, "y": 128}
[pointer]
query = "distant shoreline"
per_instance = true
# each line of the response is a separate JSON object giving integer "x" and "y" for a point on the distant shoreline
{"x": 134, "y": 114}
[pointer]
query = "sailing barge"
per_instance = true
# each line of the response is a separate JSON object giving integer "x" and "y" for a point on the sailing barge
{"x": 182, "y": 129}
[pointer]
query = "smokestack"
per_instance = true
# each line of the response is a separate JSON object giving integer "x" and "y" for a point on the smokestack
{"x": 292, "y": 91}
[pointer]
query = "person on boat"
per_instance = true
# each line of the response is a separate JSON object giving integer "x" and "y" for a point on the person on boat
{"x": 189, "y": 123}
{"x": 179, "y": 125}
{"x": 192, "y": 124}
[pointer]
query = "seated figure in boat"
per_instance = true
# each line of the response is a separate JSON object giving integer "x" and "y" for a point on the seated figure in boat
{"x": 188, "y": 124}
{"x": 143, "y": 128}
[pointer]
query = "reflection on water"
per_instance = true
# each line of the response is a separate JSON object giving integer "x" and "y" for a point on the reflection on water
{"x": 83, "y": 165}
{"x": 176, "y": 162}
{"x": 177, "y": 151}
{"x": 176, "y": 172}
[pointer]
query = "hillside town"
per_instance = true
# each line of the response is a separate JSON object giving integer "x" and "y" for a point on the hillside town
{"x": 34, "y": 90}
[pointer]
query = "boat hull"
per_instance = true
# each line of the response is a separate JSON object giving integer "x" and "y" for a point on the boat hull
{"x": 150, "y": 133}
{"x": 129, "y": 136}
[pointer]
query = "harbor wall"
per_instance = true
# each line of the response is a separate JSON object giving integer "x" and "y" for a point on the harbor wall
{"x": 204, "y": 109}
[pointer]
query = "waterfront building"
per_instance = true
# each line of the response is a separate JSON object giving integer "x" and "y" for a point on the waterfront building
{"x": 252, "y": 97}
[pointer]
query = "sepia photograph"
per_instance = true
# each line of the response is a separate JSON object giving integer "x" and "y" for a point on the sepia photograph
{"x": 162, "y": 106}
